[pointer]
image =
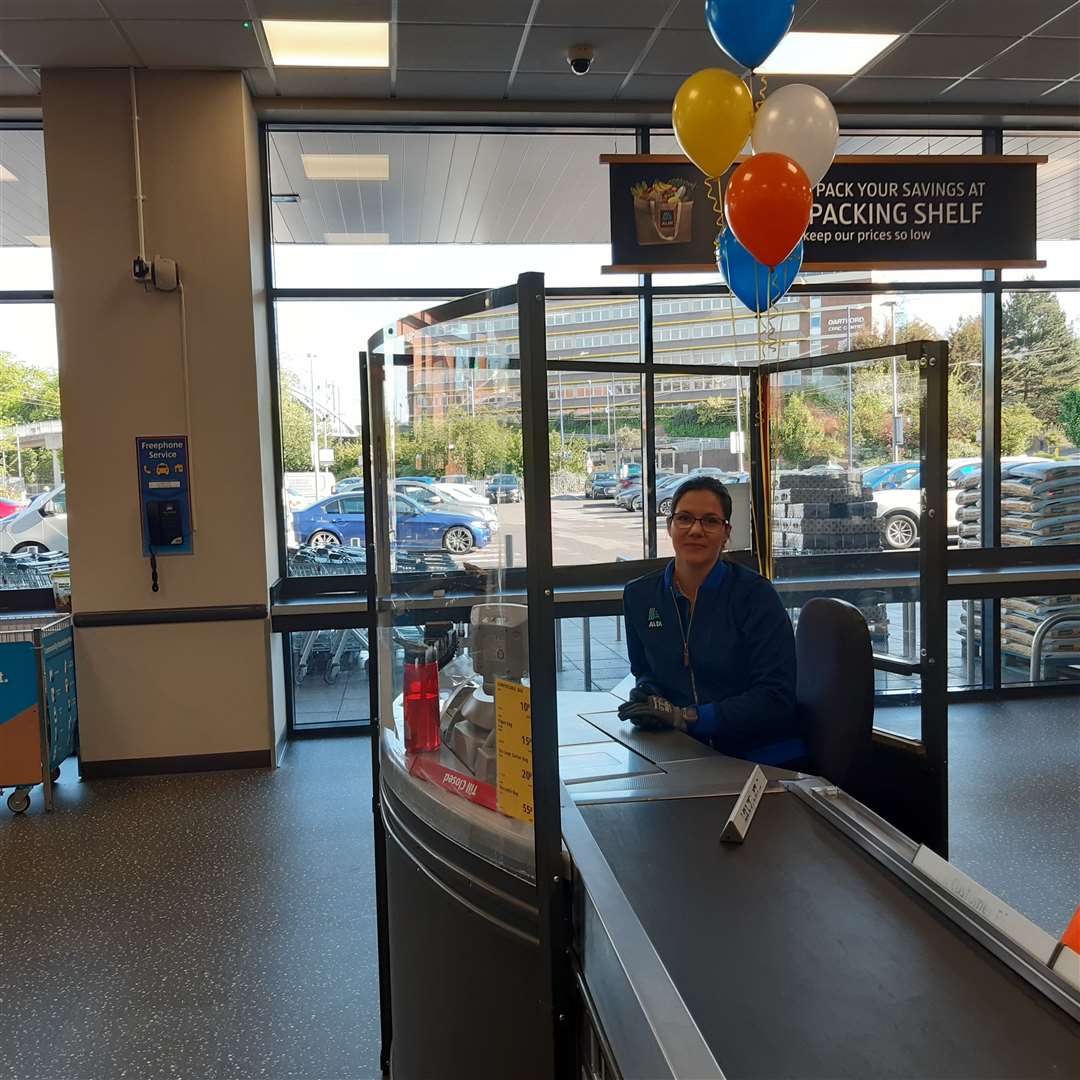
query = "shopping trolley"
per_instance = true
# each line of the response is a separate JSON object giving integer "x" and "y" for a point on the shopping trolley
{"x": 38, "y": 709}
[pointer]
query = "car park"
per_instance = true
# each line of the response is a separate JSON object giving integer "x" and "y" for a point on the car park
{"x": 348, "y": 483}
{"x": 339, "y": 519}
{"x": 41, "y": 526}
{"x": 431, "y": 498}
{"x": 888, "y": 476}
{"x": 454, "y": 478}
{"x": 464, "y": 494}
{"x": 503, "y": 487}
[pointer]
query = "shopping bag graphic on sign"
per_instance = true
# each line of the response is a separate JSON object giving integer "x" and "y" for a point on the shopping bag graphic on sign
{"x": 663, "y": 212}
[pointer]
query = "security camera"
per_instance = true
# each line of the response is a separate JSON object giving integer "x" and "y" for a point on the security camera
{"x": 580, "y": 59}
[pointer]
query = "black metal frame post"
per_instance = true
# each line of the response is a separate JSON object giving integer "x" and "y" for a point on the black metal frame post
{"x": 551, "y": 889}
{"x": 386, "y": 1026}
{"x": 759, "y": 497}
{"x": 933, "y": 360}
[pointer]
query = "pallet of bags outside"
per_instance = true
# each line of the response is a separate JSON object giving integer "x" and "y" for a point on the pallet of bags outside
{"x": 1022, "y": 616}
{"x": 817, "y": 514}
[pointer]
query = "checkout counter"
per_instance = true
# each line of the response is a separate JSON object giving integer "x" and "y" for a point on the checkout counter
{"x": 825, "y": 945}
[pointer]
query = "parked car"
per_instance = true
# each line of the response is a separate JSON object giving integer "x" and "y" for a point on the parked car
{"x": 454, "y": 478}
{"x": 665, "y": 495}
{"x": 430, "y": 497}
{"x": 340, "y": 520}
{"x": 9, "y": 507}
{"x": 465, "y": 494}
{"x": 898, "y": 511}
{"x": 629, "y": 474}
{"x": 891, "y": 475}
{"x": 419, "y": 479}
{"x": 347, "y": 483}
{"x": 504, "y": 487}
{"x": 601, "y": 485}
{"x": 41, "y": 526}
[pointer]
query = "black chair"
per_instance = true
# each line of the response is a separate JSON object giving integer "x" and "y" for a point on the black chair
{"x": 834, "y": 690}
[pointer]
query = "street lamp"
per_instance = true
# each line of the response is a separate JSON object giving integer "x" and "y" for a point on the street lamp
{"x": 891, "y": 305}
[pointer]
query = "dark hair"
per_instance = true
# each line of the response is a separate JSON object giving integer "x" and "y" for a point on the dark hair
{"x": 703, "y": 483}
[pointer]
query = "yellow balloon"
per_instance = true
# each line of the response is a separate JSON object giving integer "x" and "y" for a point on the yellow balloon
{"x": 712, "y": 114}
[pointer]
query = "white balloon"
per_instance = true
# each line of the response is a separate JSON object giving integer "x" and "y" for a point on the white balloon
{"x": 799, "y": 121}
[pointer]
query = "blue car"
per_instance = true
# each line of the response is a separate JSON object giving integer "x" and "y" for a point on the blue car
{"x": 340, "y": 520}
{"x": 887, "y": 477}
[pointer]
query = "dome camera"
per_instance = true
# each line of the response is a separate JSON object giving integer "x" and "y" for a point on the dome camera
{"x": 580, "y": 59}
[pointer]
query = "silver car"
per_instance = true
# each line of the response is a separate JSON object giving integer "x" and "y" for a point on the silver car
{"x": 42, "y": 526}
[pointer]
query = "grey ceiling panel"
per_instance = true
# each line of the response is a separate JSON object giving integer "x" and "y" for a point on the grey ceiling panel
{"x": 488, "y": 12}
{"x": 573, "y": 13}
{"x": 450, "y": 85}
{"x": 260, "y": 82}
{"x": 337, "y": 10}
{"x": 75, "y": 43}
{"x": 997, "y": 91}
{"x": 1018, "y": 18}
{"x": 1065, "y": 25}
{"x": 457, "y": 48}
{"x": 1069, "y": 94}
{"x": 690, "y": 15}
{"x": 616, "y": 49}
{"x": 543, "y": 87}
{"x": 682, "y": 52}
{"x": 412, "y": 185}
{"x": 334, "y": 82}
{"x": 938, "y": 55}
{"x": 461, "y": 169}
{"x": 827, "y": 84}
{"x": 13, "y": 84}
{"x": 1037, "y": 58}
{"x": 436, "y": 183}
{"x": 651, "y": 88}
{"x": 193, "y": 44}
{"x": 863, "y": 16}
{"x": 51, "y": 9}
{"x": 868, "y": 89}
{"x": 178, "y": 9}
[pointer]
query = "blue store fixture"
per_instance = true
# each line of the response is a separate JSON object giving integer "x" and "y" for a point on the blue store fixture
{"x": 38, "y": 710}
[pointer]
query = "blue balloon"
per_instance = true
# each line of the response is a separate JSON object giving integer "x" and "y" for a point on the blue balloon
{"x": 753, "y": 282}
{"x": 748, "y": 33}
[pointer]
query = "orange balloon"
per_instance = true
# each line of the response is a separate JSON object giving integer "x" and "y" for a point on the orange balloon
{"x": 767, "y": 205}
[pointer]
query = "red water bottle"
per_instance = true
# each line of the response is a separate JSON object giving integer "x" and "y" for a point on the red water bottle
{"x": 422, "y": 704}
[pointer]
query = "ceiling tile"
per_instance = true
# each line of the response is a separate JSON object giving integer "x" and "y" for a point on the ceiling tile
{"x": 682, "y": 52}
{"x": 1015, "y": 18}
{"x": 1037, "y": 58}
{"x": 689, "y": 15}
{"x": 333, "y": 82}
{"x": 616, "y": 48}
{"x": 859, "y": 16}
{"x": 938, "y": 55}
{"x": 14, "y": 85}
{"x": 998, "y": 91}
{"x": 78, "y": 43}
{"x": 457, "y": 48}
{"x": 651, "y": 88}
{"x": 827, "y": 84}
{"x": 171, "y": 9}
{"x": 450, "y": 84}
{"x": 889, "y": 90}
{"x": 485, "y": 12}
{"x": 260, "y": 82}
{"x": 335, "y": 10}
{"x": 195, "y": 43}
{"x": 1065, "y": 25}
{"x": 640, "y": 13}
{"x": 545, "y": 87}
{"x": 51, "y": 9}
{"x": 1069, "y": 94}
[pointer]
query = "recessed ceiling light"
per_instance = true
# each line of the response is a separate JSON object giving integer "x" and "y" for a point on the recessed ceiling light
{"x": 346, "y": 166}
{"x": 328, "y": 44}
{"x": 357, "y": 237}
{"x": 40, "y": 241}
{"x": 6, "y": 174}
{"x": 824, "y": 54}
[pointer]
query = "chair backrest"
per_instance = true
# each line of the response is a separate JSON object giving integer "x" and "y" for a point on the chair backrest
{"x": 835, "y": 689}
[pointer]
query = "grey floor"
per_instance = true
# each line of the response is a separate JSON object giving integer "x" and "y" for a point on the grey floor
{"x": 217, "y": 926}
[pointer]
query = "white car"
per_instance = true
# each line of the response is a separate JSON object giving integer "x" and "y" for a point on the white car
{"x": 42, "y": 526}
{"x": 898, "y": 511}
{"x": 463, "y": 495}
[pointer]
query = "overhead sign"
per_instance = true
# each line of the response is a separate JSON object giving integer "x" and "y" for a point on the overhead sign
{"x": 869, "y": 212}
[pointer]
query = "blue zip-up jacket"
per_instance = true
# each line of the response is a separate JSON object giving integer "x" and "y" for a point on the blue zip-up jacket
{"x": 741, "y": 651}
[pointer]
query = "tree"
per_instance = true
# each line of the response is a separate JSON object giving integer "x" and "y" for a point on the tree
{"x": 966, "y": 354}
{"x": 1040, "y": 353}
{"x": 295, "y": 428}
{"x": 1020, "y": 427}
{"x": 1069, "y": 416}
{"x": 28, "y": 394}
{"x": 800, "y": 435}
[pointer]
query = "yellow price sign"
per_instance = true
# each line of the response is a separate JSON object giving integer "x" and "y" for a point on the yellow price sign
{"x": 513, "y": 738}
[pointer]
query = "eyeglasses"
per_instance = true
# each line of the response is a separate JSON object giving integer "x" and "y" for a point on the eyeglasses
{"x": 684, "y": 522}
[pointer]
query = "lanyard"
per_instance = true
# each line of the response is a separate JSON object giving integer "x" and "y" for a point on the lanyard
{"x": 685, "y": 632}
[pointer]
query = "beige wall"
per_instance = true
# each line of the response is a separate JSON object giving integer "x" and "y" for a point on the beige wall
{"x": 177, "y": 689}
